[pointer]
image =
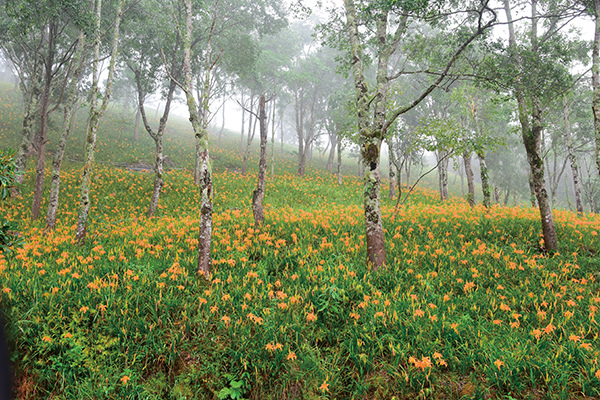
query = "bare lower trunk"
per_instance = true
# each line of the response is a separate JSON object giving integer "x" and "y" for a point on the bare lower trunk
{"x": 470, "y": 179}
{"x": 333, "y": 140}
{"x": 496, "y": 195}
{"x": 443, "y": 175}
{"x": 259, "y": 192}
{"x": 507, "y": 197}
{"x": 531, "y": 139}
{"x": 376, "y": 256}
{"x": 158, "y": 177}
{"x": 485, "y": 180}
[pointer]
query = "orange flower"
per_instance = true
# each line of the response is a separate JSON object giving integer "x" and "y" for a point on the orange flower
{"x": 311, "y": 317}
{"x": 125, "y": 379}
{"x": 324, "y": 387}
{"x": 47, "y": 339}
{"x": 498, "y": 363}
{"x": 291, "y": 355}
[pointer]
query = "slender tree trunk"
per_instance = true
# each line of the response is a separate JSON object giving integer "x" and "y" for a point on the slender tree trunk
{"x": 96, "y": 113}
{"x": 259, "y": 192}
{"x": 158, "y": 176}
{"x": 332, "y": 141}
{"x": 443, "y": 175}
{"x": 485, "y": 179}
{"x": 470, "y": 180}
{"x": 573, "y": 160}
{"x": 67, "y": 128}
{"x": 507, "y": 197}
{"x": 531, "y": 139}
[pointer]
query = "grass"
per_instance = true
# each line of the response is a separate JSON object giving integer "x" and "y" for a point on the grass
{"x": 468, "y": 306}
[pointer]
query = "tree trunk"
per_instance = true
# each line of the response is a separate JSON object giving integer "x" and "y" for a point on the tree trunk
{"x": 259, "y": 192}
{"x": 531, "y": 139}
{"x": 96, "y": 113}
{"x": 573, "y": 160}
{"x": 443, "y": 175}
{"x": 507, "y": 197}
{"x": 470, "y": 180}
{"x": 332, "y": 141}
{"x": 485, "y": 179}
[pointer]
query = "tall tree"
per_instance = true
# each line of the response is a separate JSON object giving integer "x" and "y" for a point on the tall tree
{"x": 535, "y": 70}
{"x": 373, "y": 116}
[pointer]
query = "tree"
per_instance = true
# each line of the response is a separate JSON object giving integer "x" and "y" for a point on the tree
{"x": 535, "y": 70}
{"x": 40, "y": 38}
{"x": 373, "y": 117}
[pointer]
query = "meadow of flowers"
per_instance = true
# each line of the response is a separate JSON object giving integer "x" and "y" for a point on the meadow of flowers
{"x": 469, "y": 305}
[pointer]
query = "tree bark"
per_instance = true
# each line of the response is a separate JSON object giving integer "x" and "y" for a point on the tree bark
{"x": 485, "y": 179}
{"x": 259, "y": 192}
{"x": 332, "y": 141}
{"x": 470, "y": 180}
{"x": 443, "y": 174}
{"x": 96, "y": 113}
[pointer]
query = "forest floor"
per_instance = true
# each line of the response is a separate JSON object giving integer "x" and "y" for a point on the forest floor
{"x": 469, "y": 306}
